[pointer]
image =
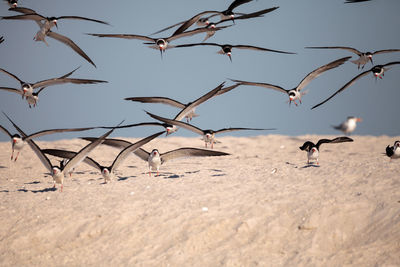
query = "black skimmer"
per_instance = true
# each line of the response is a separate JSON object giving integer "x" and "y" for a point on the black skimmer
{"x": 108, "y": 172}
{"x": 155, "y": 158}
{"x": 18, "y": 141}
{"x": 393, "y": 152}
{"x": 208, "y": 135}
{"x": 377, "y": 70}
{"x": 349, "y": 125}
{"x": 46, "y": 23}
{"x": 156, "y": 43}
{"x": 58, "y": 173}
{"x": 27, "y": 89}
{"x": 226, "y": 49}
{"x": 313, "y": 149}
{"x": 364, "y": 57}
{"x": 12, "y": 3}
{"x": 295, "y": 93}
{"x": 188, "y": 110}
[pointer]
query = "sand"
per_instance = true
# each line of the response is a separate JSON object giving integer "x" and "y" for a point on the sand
{"x": 261, "y": 206}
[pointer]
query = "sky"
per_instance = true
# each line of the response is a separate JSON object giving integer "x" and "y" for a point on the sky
{"x": 133, "y": 69}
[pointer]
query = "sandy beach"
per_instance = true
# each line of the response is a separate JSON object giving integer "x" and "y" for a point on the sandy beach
{"x": 260, "y": 206}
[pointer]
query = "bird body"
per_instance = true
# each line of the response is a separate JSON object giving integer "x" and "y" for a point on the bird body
{"x": 393, "y": 152}
{"x": 349, "y": 125}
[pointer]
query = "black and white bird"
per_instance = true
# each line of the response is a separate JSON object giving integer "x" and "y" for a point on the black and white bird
{"x": 295, "y": 93}
{"x": 393, "y": 152}
{"x": 155, "y": 159}
{"x": 226, "y": 49}
{"x": 12, "y": 3}
{"x": 377, "y": 70}
{"x": 156, "y": 43}
{"x": 27, "y": 89}
{"x": 208, "y": 135}
{"x": 18, "y": 141}
{"x": 364, "y": 57}
{"x": 108, "y": 172}
{"x": 187, "y": 110}
{"x": 313, "y": 149}
{"x": 46, "y": 23}
{"x": 349, "y": 125}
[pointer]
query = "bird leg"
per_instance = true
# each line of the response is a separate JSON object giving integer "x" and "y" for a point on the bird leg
{"x": 16, "y": 156}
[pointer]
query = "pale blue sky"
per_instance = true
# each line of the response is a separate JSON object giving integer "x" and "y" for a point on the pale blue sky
{"x": 184, "y": 74}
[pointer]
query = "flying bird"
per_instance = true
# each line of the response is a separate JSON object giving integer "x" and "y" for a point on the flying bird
{"x": 46, "y": 23}
{"x": 155, "y": 159}
{"x": 364, "y": 57}
{"x": 393, "y": 152}
{"x": 313, "y": 149}
{"x": 156, "y": 43}
{"x": 27, "y": 89}
{"x": 377, "y": 71}
{"x": 18, "y": 141}
{"x": 226, "y": 49}
{"x": 12, "y": 3}
{"x": 349, "y": 125}
{"x": 295, "y": 93}
{"x": 208, "y": 135}
{"x": 108, "y": 172}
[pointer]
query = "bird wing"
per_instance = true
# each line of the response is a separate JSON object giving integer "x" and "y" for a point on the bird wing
{"x": 340, "y": 139}
{"x": 226, "y": 89}
{"x": 260, "y": 49}
{"x": 307, "y": 146}
{"x": 11, "y": 75}
{"x": 131, "y": 148}
{"x": 177, "y": 123}
{"x": 250, "y": 15}
{"x": 15, "y": 126}
{"x": 225, "y": 130}
{"x": 344, "y": 87}
{"x": 124, "y": 36}
{"x": 266, "y": 85}
{"x": 30, "y": 16}
{"x": 186, "y": 24}
{"x": 5, "y": 131}
{"x": 157, "y": 99}
{"x": 317, "y": 72}
{"x": 23, "y": 10}
{"x": 190, "y": 152}
{"x": 190, "y": 33}
{"x": 351, "y": 49}
{"x": 55, "y": 81}
{"x": 237, "y": 3}
{"x": 13, "y": 90}
{"x": 70, "y": 154}
{"x": 197, "y": 44}
{"x": 65, "y": 40}
{"x": 83, "y": 18}
{"x": 51, "y": 131}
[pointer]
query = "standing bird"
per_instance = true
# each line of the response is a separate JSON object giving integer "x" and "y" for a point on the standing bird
{"x": 156, "y": 43}
{"x": 364, "y": 57}
{"x": 349, "y": 125}
{"x": 155, "y": 159}
{"x": 27, "y": 89}
{"x": 106, "y": 171}
{"x": 18, "y": 141}
{"x": 393, "y": 152}
{"x": 313, "y": 150}
{"x": 46, "y": 23}
{"x": 208, "y": 135}
{"x": 295, "y": 94}
{"x": 226, "y": 49}
{"x": 377, "y": 70}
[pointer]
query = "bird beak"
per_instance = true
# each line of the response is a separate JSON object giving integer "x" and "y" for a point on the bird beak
{"x": 230, "y": 56}
{"x": 370, "y": 59}
{"x": 15, "y": 5}
{"x": 359, "y": 120}
{"x": 55, "y": 23}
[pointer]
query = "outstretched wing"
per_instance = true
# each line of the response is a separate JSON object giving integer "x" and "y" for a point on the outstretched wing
{"x": 190, "y": 152}
{"x": 340, "y": 139}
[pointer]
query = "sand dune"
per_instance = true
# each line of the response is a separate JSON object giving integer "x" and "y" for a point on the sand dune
{"x": 260, "y": 206}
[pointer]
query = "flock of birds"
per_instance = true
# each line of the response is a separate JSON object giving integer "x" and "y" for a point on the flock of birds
{"x": 70, "y": 159}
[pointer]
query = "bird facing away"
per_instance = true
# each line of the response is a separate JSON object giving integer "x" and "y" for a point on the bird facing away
{"x": 349, "y": 125}
{"x": 208, "y": 135}
{"x": 155, "y": 159}
{"x": 393, "y": 152}
{"x": 27, "y": 89}
{"x": 313, "y": 149}
{"x": 364, "y": 57}
{"x": 295, "y": 93}
{"x": 18, "y": 141}
{"x": 377, "y": 70}
{"x": 108, "y": 172}
{"x": 226, "y": 49}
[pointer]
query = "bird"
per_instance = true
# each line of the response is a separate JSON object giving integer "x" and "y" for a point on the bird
{"x": 12, "y": 3}
{"x": 226, "y": 49}
{"x": 46, "y": 23}
{"x": 188, "y": 110}
{"x": 156, "y": 43}
{"x": 155, "y": 159}
{"x": 27, "y": 89}
{"x": 208, "y": 135}
{"x": 364, "y": 57}
{"x": 108, "y": 172}
{"x": 18, "y": 141}
{"x": 295, "y": 93}
{"x": 377, "y": 70}
{"x": 313, "y": 149}
{"x": 393, "y": 152}
{"x": 349, "y": 125}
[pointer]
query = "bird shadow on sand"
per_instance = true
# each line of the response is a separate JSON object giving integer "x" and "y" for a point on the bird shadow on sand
{"x": 49, "y": 189}
{"x": 4, "y": 191}
{"x": 310, "y": 165}
{"x": 3, "y": 167}
{"x": 126, "y": 178}
{"x": 34, "y": 182}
